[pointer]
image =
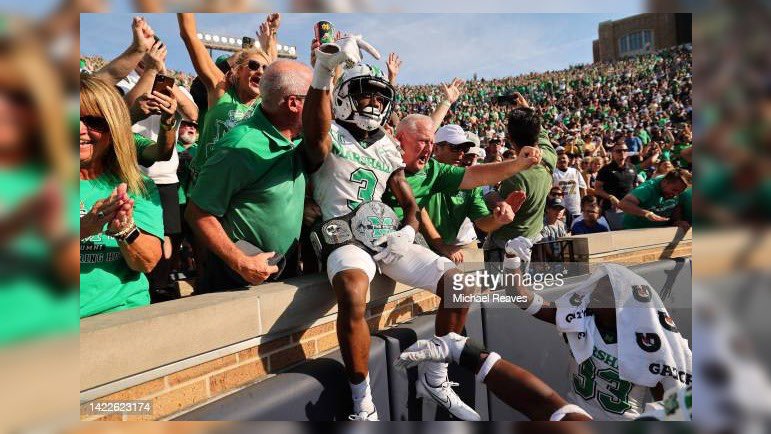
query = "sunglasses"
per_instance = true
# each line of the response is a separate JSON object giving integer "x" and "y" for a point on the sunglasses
{"x": 18, "y": 97}
{"x": 95, "y": 123}
{"x": 254, "y": 65}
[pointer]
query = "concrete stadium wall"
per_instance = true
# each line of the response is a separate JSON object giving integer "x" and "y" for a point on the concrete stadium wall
{"x": 184, "y": 354}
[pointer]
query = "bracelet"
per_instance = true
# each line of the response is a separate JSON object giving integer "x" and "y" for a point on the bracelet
{"x": 445, "y": 102}
{"x": 124, "y": 231}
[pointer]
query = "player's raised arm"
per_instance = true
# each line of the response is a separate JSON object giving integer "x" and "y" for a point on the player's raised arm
{"x": 317, "y": 111}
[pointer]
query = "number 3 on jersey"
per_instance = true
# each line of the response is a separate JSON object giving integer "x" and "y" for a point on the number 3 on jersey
{"x": 367, "y": 182}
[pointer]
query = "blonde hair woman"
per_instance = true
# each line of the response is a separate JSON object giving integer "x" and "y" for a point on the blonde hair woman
{"x": 121, "y": 224}
{"x": 37, "y": 240}
{"x": 231, "y": 96}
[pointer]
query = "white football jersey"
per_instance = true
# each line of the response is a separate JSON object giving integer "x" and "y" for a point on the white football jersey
{"x": 570, "y": 181}
{"x": 596, "y": 387}
{"x": 353, "y": 172}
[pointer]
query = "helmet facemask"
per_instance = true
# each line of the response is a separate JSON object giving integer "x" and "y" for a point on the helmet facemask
{"x": 350, "y": 91}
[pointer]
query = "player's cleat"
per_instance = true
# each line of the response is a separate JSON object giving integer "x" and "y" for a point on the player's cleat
{"x": 445, "y": 396}
{"x": 364, "y": 408}
{"x": 364, "y": 415}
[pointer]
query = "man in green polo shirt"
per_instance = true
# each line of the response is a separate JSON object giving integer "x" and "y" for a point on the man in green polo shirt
{"x": 448, "y": 212}
{"x": 652, "y": 203}
{"x": 252, "y": 187}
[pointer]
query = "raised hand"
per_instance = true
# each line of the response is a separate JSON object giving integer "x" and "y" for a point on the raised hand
{"x": 394, "y": 64}
{"x": 155, "y": 58}
{"x": 452, "y": 91}
{"x": 142, "y": 34}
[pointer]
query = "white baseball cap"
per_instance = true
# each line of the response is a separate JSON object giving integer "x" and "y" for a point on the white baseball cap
{"x": 476, "y": 150}
{"x": 452, "y": 134}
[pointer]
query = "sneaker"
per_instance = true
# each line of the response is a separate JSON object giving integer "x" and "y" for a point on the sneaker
{"x": 445, "y": 396}
{"x": 364, "y": 415}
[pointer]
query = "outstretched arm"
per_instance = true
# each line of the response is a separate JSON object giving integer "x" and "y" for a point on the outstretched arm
{"x": 317, "y": 110}
{"x": 451, "y": 94}
{"x": 211, "y": 76}
{"x": 268, "y": 34}
{"x": 493, "y": 173}
{"x": 122, "y": 65}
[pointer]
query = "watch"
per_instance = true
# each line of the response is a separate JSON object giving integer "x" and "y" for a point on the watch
{"x": 129, "y": 237}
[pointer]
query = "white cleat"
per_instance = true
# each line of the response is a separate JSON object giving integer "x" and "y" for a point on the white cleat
{"x": 445, "y": 396}
{"x": 364, "y": 415}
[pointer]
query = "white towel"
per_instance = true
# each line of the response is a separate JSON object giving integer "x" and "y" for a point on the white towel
{"x": 649, "y": 346}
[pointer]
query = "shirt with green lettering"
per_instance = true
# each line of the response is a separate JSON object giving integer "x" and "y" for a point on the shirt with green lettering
{"x": 226, "y": 113}
{"x": 107, "y": 284}
{"x": 254, "y": 182}
{"x": 650, "y": 198}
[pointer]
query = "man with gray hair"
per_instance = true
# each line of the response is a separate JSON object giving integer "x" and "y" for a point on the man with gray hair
{"x": 250, "y": 191}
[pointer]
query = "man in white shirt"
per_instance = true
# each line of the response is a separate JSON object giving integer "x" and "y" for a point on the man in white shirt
{"x": 572, "y": 184}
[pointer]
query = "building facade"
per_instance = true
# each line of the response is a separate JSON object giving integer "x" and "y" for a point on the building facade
{"x": 639, "y": 34}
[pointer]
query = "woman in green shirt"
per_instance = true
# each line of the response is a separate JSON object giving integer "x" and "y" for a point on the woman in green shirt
{"x": 121, "y": 225}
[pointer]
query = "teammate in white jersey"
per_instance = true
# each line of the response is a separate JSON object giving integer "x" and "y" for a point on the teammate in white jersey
{"x": 351, "y": 161}
{"x": 595, "y": 384}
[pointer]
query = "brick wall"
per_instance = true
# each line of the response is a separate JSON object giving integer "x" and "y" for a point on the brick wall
{"x": 175, "y": 392}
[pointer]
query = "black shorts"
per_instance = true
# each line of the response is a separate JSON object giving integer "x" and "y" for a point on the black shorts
{"x": 172, "y": 222}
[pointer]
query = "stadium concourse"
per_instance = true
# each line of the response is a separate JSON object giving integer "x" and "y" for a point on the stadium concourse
{"x": 256, "y": 170}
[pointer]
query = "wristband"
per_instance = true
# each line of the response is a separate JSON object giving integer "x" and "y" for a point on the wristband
{"x": 487, "y": 366}
{"x": 445, "y": 102}
{"x": 535, "y": 305}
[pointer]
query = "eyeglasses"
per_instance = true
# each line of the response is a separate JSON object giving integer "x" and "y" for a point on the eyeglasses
{"x": 254, "y": 65}
{"x": 95, "y": 123}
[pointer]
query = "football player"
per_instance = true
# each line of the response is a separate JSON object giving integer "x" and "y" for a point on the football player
{"x": 352, "y": 161}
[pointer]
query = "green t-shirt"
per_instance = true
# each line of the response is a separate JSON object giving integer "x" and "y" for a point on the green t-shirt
{"x": 435, "y": 177}
{"x": 684, "y": 201}
{"x": 536, "y": 183}
{"x": 141, "y": 142}
{"x": 649, "y": 195}
{"x": 107, "y": 284}
{"x": 33, "y": 301}
{"x": 221, "y": 118}
{"x": 449, "y": 210}
{"x": 183, "y": 171}
{"x": 254, "y": 181}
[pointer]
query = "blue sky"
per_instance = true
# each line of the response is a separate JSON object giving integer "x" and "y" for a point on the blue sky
{"x": 433, "y": 47}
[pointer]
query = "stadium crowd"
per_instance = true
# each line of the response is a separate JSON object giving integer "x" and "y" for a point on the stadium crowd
{"x": 617, "y": 130}
{"x": 248, "y": 176}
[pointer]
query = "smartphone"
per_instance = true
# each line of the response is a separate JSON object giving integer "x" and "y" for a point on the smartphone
{"x": 324, "y": 32}
{"x": 247, "y": 42}
{"x": 163, "y": 84}
{"x": 250, "y": 249}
